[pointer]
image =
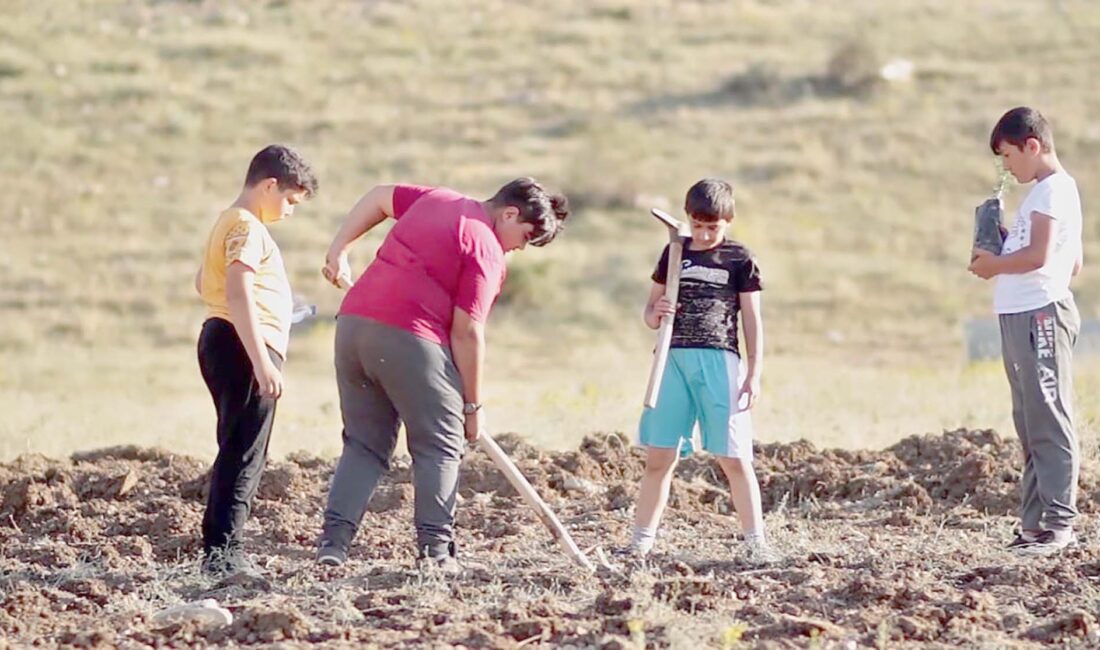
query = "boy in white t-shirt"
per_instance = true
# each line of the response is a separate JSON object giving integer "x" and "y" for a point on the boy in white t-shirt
{"x": 1039, "y": 325}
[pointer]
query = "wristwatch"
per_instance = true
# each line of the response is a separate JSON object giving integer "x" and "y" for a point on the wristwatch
{"x": 471, "y": 407}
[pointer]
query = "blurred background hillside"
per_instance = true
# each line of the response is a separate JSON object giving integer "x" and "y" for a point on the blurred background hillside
{"x": 127, "y": 127}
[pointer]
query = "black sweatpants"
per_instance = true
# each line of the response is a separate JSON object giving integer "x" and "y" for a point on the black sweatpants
{"x": 244, "y": 430}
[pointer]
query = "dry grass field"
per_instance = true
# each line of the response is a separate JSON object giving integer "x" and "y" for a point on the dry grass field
{"x": 127, "y": 126}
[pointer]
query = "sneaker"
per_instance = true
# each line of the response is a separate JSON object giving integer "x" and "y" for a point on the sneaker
{"x": 1023, "y": 538}
{"x": 331, "y": 553}
{"x": 223, "y": 562}
{"x": 630, "y": 552}
{"x": 446, "y": 563}
{"x": 1048, "y": 542}
{"x": 759, "y": 551}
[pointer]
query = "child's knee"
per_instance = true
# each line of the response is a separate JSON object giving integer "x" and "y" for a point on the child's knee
{"x": 736, "y": 466}
{"x": 660, "y": 464}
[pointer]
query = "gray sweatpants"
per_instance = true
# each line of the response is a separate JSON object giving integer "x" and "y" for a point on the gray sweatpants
{"x": 387, "y": 376}
{"x": 1038, "y": 353}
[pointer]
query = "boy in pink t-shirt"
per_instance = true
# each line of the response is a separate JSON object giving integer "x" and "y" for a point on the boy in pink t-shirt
{"x": 410, "y": 343}
{"x": 442, "y": 253}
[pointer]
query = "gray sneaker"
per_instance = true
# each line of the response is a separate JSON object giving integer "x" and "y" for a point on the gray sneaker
{"x": 331, "y": 553}
{"x": 223, "y": 561}
{"x": 1048, "y": 542}
{"x": 445, "y": 563}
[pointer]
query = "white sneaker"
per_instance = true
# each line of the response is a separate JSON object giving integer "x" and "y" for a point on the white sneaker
{"x": 759, "y": 551}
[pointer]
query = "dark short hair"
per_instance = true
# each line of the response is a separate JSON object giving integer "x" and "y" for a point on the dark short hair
{"x": 546, "y": 210}
{"x": 711, "y": 199}
{"x": 1020, "y": 124}
{"x": 286, "y": 166}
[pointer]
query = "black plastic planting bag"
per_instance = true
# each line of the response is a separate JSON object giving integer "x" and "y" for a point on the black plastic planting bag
{"x": 989, "y": 229}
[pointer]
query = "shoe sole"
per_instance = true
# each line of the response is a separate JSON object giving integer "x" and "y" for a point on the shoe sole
{"x": 1043, "y": 550}
{"x": 328, "y": 560}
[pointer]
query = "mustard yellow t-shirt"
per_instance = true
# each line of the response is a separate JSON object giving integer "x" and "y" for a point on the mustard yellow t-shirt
{"x": 238, "y": 236}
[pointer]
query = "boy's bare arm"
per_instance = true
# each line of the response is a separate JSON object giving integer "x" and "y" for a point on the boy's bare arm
{"x": 656, "y": 307}
{"x": 468, "y": 348}
{"x": 1079, "y": 263}
{"x": 372, "y": 209}
{"x": 198, "y": 280}
{"x": 752, "y": 324}
{"x": 1029, "y": 258}
{"x": 242, "y": 312}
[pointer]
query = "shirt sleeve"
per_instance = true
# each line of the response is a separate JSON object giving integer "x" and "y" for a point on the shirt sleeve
{"x": 482, "y": 274}
{"x": 747, "y": 276}
{"x": 244, "y": 243}
{"x": 405, "y": 195}
{"x": 1054, "y": 200}
{"x": 1042, "y": 199}
{"x": 660, "y": 274}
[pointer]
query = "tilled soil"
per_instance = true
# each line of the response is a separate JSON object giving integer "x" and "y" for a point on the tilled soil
{"x": 894, "y": 548}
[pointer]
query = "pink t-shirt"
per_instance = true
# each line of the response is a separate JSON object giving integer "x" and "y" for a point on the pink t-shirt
{"x": 442, "y": 253}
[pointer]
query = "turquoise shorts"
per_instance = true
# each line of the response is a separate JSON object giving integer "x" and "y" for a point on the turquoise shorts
{"x": 700, "y": 385}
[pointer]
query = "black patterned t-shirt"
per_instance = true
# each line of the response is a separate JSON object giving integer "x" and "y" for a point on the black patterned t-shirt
{"x": 711, "y": 282}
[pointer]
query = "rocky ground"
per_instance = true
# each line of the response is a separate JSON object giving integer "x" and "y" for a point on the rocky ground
{"x": 894, "y": 548}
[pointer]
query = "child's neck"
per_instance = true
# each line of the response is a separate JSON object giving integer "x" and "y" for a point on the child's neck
{"x": 1048, "y": 164}
{"x": 248, "y": 200}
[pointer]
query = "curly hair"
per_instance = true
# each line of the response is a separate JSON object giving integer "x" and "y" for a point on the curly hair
{"x": 547, "y": 211}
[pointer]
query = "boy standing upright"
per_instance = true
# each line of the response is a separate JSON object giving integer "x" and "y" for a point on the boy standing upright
{"x": 1039, "y": 325}
{"x": 244, "y": 340}
{"x": 705, "y": 380}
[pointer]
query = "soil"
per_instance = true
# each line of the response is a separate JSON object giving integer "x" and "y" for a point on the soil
{"x": 901, "y": 547}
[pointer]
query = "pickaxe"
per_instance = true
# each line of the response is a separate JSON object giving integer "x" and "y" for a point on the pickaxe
{"x": 672, "y": 292}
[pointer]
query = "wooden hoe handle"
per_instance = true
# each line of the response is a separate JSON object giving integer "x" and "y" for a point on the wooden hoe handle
{"x": 672, "y": 292}
{"x": 547, "y": 516}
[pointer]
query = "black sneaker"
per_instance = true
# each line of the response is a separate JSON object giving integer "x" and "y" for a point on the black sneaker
{"x": 1048, "y": 542}
{"x": 331, "y": 553}
{"x": 1022, "y": 538}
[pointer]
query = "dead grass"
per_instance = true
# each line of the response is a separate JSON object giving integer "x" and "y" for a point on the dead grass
{"x": 130, "y": 123}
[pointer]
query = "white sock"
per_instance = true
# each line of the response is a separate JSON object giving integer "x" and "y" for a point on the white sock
{"x": 755, "y": 537}
{"x": 643, "y": 539}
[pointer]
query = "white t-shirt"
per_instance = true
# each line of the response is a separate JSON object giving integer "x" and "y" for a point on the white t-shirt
{"x": 1055, "y": 196}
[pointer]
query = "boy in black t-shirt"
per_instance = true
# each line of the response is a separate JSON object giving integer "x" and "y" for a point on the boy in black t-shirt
{"x": 705, "y": 381}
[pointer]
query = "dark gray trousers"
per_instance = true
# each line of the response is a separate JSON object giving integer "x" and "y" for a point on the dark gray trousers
{"x": 1038, "y": 354}
{"x": 386, "y": 377}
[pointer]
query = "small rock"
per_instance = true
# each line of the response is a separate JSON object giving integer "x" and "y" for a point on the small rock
{"x": 206, "y": 611}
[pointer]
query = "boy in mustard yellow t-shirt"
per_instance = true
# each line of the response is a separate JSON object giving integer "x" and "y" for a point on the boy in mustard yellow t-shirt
{"x": 243, "y": 342}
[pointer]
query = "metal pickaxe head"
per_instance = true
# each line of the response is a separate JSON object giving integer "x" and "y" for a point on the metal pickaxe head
{"x": 676, "y": 228}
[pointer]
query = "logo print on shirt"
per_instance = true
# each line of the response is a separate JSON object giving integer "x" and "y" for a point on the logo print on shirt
{"x": 704, "y": 274}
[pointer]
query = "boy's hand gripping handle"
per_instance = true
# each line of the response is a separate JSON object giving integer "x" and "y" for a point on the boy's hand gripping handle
{"x": 672, "y": 292}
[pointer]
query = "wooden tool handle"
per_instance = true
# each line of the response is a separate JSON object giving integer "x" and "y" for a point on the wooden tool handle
{"x": 664, "y": 333}
{"x": 548, "y": 518}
